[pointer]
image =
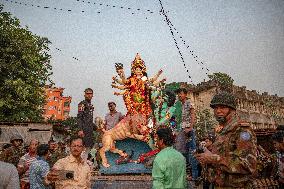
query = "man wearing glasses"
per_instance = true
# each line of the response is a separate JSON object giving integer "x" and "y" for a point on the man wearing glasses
{"x": 79, "y": 171}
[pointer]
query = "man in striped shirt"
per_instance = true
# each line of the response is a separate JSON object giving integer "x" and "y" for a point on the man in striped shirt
{"x": 25, "y": 162}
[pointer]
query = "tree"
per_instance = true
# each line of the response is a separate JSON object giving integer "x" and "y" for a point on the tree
{"x": 69, "y": 125}
{"x": 224, "y": 80}
{"x": 24, "y": 70}
{"x": 172, "y": 86}
{"x": 205, "y": 123}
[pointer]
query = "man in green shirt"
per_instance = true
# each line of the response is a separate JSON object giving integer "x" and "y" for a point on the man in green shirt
{"x": 169, "y": 168}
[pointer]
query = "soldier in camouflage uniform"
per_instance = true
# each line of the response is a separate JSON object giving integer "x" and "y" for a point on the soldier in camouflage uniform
{"x": 55, "y": 153}
{"x": 85, "y": 121}
{"x": 4, "y": 148}
{"x": 231, "y": 159}
{"x": 278, "y": 157}
{"x": 14, "y": 152}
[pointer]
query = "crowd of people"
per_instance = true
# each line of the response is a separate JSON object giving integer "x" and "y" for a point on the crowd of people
{"x": 229, "y": 157}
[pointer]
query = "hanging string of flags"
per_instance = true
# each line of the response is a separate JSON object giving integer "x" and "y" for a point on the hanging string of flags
{"x": 119, "y": 7}
{"x": 195, "y": 57}
{"x": 69, "y": 10}
{"x": 25, "y": 4}
{"x": 73, "y": 57}
{"x": 173, "y": 36}
{"x": 162, "y": 12}
{"x": 45, "y": 7}
{"x": 83, "y": 11}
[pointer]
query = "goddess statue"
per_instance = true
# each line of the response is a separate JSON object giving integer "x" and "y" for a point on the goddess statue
{"x": 136, "y": 88}
{"x": 136, "y": 96}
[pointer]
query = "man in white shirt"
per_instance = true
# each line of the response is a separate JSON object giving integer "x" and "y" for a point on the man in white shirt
{"x": 9, "y": 178}
{"x": 74, "y": 163}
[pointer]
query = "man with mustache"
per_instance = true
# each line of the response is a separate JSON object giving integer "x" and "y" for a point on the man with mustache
{"x": 231, "y": 159}
{"x": 81, "y": 178}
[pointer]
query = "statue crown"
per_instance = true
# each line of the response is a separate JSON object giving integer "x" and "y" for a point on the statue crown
{"x": 138, "y": 62}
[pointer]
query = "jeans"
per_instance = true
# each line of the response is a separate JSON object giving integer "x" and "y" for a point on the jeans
{"x": 191, "y": 146}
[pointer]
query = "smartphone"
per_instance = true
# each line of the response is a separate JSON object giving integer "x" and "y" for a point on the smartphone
{"x": 66, "y": 175}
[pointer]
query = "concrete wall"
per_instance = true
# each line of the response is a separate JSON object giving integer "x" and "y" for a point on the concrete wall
{"x": 28, "y": 131}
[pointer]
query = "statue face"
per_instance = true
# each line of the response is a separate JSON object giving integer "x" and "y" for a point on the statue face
{"x": 138, "y": 71}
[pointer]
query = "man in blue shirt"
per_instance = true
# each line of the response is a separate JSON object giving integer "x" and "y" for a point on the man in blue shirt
{"x": 39, "y": 169}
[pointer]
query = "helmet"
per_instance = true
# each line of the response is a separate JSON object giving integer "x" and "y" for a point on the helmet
{"x": 224, "y": 98}
{"x": 16, "y": 137}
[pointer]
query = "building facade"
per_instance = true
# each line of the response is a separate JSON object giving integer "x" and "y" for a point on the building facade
{"x": 263, "y": 111}
{"x": 57, "y": 106}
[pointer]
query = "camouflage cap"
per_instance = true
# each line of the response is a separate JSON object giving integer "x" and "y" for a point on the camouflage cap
{"x": 16, "y": 137}
{"x": 225, "y": 99}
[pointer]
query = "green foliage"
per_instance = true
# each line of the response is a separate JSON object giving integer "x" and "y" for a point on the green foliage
{"x": 205, "y": 123}
{"x": 224, "y": 80}
{"x": 69, "y": 125}
{"x": 25, "y": 68}
{"x": 172, "y": 86}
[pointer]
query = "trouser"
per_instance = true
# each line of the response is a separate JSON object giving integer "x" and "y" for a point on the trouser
{"x": 191, "y": 148}
{"x": 194, "y": 165}
{"x": 207, "y": 185}
{"x": 180, "y": 142}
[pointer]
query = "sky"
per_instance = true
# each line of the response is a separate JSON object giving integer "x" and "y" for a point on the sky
{"x": 243, "y": 38}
